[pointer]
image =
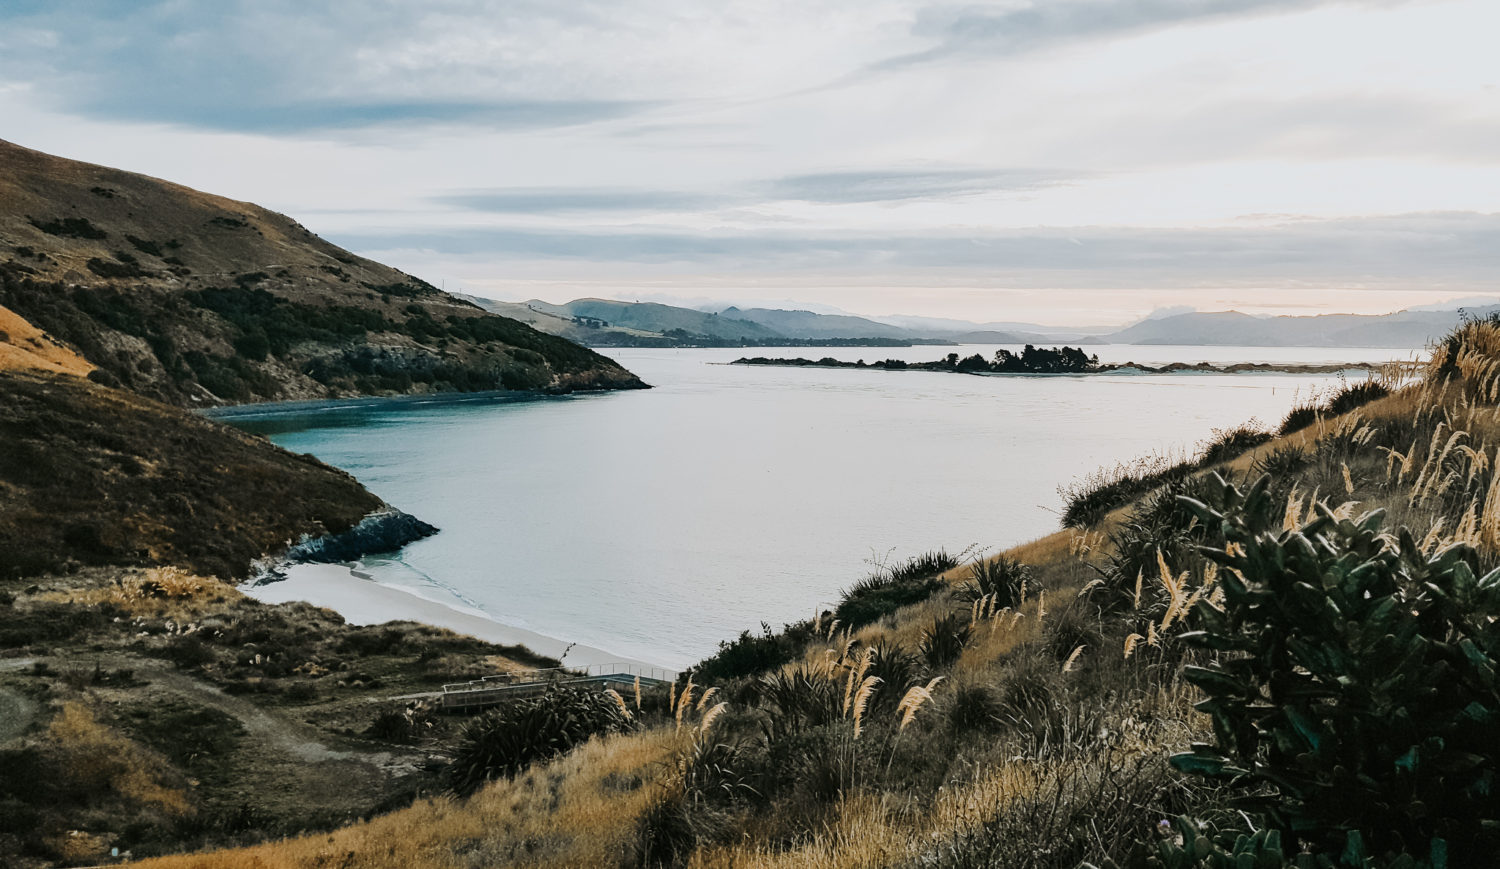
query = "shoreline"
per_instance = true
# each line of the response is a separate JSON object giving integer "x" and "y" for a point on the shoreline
{"x": 361, "y": 600}
{"x": 230, "y": 412}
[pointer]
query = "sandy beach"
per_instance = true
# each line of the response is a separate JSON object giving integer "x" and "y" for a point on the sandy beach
{"x": 362, "y": 601}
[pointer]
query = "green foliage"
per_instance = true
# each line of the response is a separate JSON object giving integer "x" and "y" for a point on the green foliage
{"x": 944, "y": 640}
{"x": 1003, "y": 577}
{"x": 890, "y": 588}
{"x": 975, "y": 708}
{"x": 1227, "y": 444}
{"x": 1299, "y": 418}
{"x": 69, "y": 227}
{"x": 1355, "y": 396}
{"x": 1355, "y": 682}
{"x": 1160, "y": 527}
{"x": 1089, "y": 500}
{"x": 501, "y": 743}
{"x": 1282, "y": 462}
{"x": 752, "y": 655}
{"x": 1349, "y": 398}
{"x": 897, "y": 670}
{"x": 124, "y": 266}
{"x": 796, "y": 699}
{"x": 1186, "y": 844}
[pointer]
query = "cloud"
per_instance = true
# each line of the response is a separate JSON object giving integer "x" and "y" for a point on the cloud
{"x": 277, "y": 67}
{"x": 1449, "y": 247}
{"x": 548, "y": 200}
{"x": 898, "y": 185}
{"x": 967, "y": 30}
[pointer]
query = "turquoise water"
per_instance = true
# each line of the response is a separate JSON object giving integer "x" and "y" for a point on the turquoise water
{"x": 656, "y": 523}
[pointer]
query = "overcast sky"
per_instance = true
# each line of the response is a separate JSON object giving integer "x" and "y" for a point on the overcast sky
{"x": 1063, "y": 161}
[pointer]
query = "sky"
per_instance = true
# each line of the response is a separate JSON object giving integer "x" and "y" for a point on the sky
{"x": 1071, "y": 162}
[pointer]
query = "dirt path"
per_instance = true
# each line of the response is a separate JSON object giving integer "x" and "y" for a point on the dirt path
{"x": 281, "y": 734}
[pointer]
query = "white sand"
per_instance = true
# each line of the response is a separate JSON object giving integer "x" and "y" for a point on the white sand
{"x": 363, "y": 601}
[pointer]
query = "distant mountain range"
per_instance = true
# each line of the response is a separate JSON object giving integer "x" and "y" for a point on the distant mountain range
{"x": 608, "y": 323}
{"x": 1401, "y": 329}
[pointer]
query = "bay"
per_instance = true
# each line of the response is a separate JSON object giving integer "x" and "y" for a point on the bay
{"x": 656, "y": 523}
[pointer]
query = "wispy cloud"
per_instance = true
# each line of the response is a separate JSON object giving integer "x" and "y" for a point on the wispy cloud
{"x": 1456, "y": 247}
{"x": 971, "y": 30}
{"x": 280, "y": 67}
{"x": 894, "y": 185}
{"x": 545, "y": 200}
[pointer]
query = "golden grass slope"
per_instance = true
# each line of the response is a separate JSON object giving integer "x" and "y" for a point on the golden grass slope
{"x": 24, "y": 347}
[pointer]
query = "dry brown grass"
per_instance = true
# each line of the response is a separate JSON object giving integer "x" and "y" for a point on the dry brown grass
{"x": 94, "y": 758}
{"x": 579, "y": 810}
{"x": 25, "y": 347}
{"x": 158, "y": 592}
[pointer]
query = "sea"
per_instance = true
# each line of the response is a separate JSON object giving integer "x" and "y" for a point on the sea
{"x": 656, "y": 523}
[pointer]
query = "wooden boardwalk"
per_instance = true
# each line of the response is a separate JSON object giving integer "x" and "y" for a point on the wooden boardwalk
{"x": 493, "y": 690}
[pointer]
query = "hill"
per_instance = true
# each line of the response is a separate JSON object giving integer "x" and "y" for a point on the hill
{"x": 609, "y": 323}
{"x": 1403, "y": 329}
{"x": 95, "y": 476}
{"x": 806, "y": 324}
{"x": 196, "y": 299}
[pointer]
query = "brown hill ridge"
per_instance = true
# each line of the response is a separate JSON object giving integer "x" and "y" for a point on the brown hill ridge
{"x": 197, "y": 299}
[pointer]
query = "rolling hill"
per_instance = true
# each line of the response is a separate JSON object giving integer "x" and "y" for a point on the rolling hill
{"x": 200, "y": 300}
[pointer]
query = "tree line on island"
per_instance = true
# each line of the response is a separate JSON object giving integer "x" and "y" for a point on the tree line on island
{"x": 1031, "y": 360}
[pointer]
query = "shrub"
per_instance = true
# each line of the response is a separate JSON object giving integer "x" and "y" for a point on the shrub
{"x": 897, "y": 671}
{"x": 944, "y": 640}
{"x": 1355, "y": 396}
{"x": 1282, "y": 461}
{"x": 975, "y": 707}
{"x": 889, "y": 589}
{"x": 797, "y": 699}
{"x": 69, "y": 227}
{"x": 1227, "y": 444}
{"x": 1299, "y": 418}
{"x": 503, "y": 742}
{"x": 1354, "y": 689}
{"x": 751, "y": 655}
{"x": 405, "y": 725}
{"x": 1089, "y": 500}
{"x": 1004, "y": 578}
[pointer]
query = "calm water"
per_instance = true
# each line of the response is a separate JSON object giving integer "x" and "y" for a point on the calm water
{"x": 655, "y": 523}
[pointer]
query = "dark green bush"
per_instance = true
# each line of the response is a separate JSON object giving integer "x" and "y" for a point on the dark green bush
{"x": 1227, "y": 444}
{"x": 1282, "y": 462}
{"x": 501, "y": 743}
{"x": 1004, "y": 578}
{"x": 1355, "y": 695}
{"x": 751, "y": 655}
{"x": 889, "y": 589}
{"x": 897, "y": 671}
{"x": 1355, "y": 396}
{"x": 944, "y": 640}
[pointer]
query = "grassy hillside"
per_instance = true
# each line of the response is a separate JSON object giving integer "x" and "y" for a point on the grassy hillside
{"x": 195, "y": 299}
{"x": 145, "y": 704}
{"x": 1282, "y": 652}
{"x": 96, "y": 476}
{"x": 606, "y": 323}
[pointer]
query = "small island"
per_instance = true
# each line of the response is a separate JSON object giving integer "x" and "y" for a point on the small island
{"x": 1055, "y": 360}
